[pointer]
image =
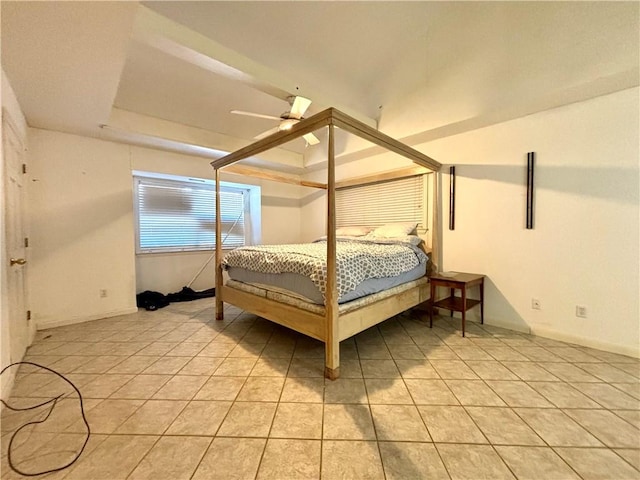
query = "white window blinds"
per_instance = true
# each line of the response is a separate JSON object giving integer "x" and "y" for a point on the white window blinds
{"x": 398, "y": 200}
{"x": 180, "y": 215}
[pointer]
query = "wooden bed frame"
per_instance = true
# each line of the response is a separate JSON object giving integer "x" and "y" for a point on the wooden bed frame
{"x": 331, "y": 327}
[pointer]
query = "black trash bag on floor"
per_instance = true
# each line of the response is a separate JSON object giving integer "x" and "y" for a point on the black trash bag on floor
{"x": 151, "y": 300}
{"x": 187, "y": 294}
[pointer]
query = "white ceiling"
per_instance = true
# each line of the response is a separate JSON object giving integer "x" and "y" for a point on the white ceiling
{"x": 420, "y": 70}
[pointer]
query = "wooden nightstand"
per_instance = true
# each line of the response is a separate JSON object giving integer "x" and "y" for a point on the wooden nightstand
{"x": 459, "y": 281}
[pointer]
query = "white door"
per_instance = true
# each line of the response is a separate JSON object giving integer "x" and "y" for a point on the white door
{"x": 15, "y": 241}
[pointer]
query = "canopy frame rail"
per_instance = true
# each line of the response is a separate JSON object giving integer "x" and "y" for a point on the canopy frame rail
{"x": 330, "y": 116}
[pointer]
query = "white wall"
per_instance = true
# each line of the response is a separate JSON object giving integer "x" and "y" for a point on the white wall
{"x": 584, "y": 247}
{"x": 81, "y": 229}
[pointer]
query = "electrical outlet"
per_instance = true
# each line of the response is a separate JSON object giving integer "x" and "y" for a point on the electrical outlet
{"x": 535, "y": 304}
{"x": 103, "y": 293}
{"x": 581, "y": 311}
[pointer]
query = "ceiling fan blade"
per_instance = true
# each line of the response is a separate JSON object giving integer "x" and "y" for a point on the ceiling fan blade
{"x": 257, "y": 115}
{"x": 298, "y": 107}
{"x": 311, "y": 139}
{"x": 271, "y": 131}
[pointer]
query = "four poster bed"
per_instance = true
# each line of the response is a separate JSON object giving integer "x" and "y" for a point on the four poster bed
{"x": 326, "y": 319}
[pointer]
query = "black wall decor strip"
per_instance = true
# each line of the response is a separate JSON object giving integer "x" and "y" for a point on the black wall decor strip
{"x": 452, "y": 198}
{"x": 531, "y": 157}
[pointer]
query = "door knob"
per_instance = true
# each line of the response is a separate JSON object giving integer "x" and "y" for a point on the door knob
{"x": 17, "y": 261}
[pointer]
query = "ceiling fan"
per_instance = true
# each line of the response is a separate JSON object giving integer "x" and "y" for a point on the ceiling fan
{"x": 298, "y": 105}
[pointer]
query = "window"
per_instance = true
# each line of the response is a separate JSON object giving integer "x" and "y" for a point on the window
{"x": 177, "y": 214}
{"x": 374, "y": 204}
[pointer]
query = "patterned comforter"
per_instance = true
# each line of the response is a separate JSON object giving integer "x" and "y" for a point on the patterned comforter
{"x": 356, "y": 259}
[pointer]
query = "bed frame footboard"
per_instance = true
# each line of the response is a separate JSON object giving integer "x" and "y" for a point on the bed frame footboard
{"x": 315, "y": 325}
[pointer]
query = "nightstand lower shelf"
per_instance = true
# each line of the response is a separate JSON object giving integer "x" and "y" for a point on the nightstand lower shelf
{"x": 457, "y": 281}
{"x": 455, "y": 304}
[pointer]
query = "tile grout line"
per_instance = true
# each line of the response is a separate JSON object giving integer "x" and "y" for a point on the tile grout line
{"x": 236, "y": 335}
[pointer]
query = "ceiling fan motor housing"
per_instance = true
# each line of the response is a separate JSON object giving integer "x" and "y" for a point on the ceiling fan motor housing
{"x": 286, "y": 123}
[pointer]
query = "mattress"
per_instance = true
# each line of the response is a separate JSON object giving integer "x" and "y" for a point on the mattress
{"x": 364, "y": 266}
{"x": 343, "y": 308}
{"x": 299, "y": 286}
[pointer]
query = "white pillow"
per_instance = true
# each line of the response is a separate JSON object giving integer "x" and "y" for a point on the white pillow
{"x": 412, "y": 239}
{"x": 353, "y": 231}
{"x": 394, "y": 230}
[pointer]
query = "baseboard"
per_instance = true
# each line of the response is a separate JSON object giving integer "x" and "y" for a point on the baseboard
{"x": 474, "y": 318}
{"x": 586, "y": 342}
{"x": 547, "y": 332}
{"x": 74, "y": 320}
{"x": 6, "y": 383}
{"x": 8, "y": 377}
{"x": 508, "y": 325}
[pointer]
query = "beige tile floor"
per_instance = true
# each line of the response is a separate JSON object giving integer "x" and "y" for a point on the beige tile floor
{"x": 173, "y": 394}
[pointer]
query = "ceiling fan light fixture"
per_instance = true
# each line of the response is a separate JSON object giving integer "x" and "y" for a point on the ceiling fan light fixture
{"x": 287, "y": 123}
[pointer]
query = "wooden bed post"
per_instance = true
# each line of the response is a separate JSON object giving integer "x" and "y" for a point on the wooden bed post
{"x": 332, "y": 341}
{"x": 435, "y": 227}
{"x": 219, "y": 304}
